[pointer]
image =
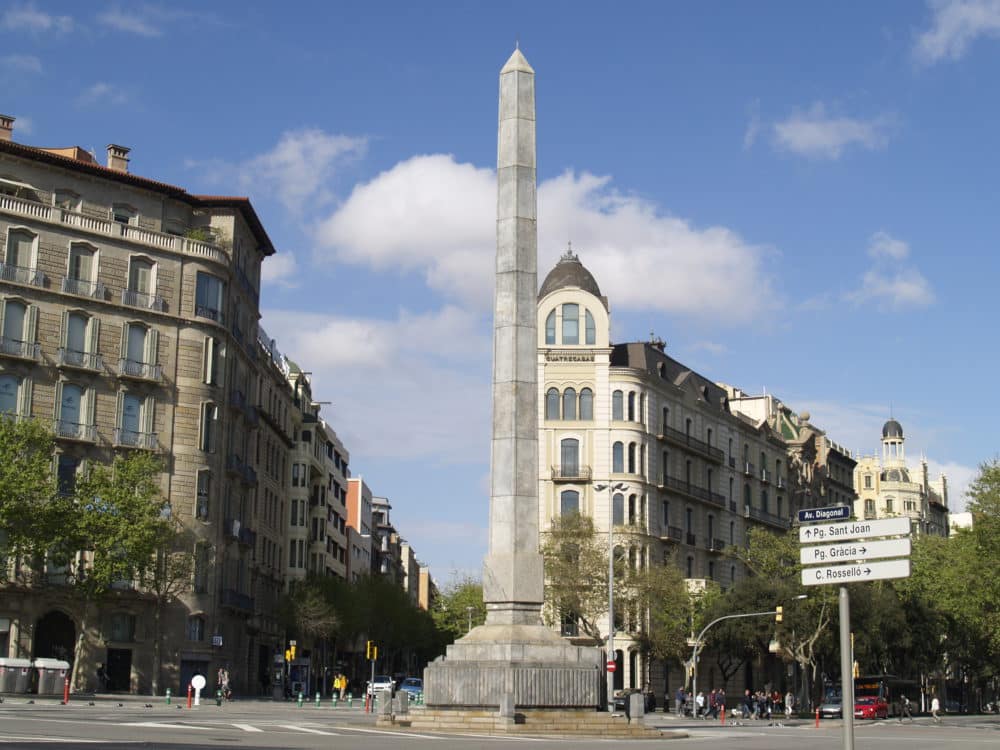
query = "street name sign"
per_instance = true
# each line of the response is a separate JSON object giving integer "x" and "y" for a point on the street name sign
{"x": 859, "y": 550}
{"x": 836, "y": 532}
{"x": 854, "y": 572}
{"x": 833, "y": 513}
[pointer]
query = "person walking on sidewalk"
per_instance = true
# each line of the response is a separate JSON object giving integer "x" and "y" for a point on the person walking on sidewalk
{"x": 904, "y": 709}
{"x": 935, "y": 708}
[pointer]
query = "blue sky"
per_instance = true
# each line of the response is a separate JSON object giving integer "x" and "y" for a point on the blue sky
{"x": 798, "y": 197}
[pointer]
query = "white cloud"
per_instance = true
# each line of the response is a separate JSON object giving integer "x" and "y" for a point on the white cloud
{"x": 889, "y": 283}
{"x": 129, "y": 22}
{"x": 21, "y": 63}
{"x": 753, "y": 125}
{"x": 102, "y": 92}
{"x": 281, "y": 268}
{"x": 414, "y": 386}
{"x": 27, "y": 17}
{"x": 432, "y": 215}
{"x": 816, "y": 134}
{"x": 955, "y": 25}
{"x": 959, "y": 478}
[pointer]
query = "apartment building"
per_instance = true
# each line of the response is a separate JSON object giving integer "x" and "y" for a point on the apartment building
{"x": 360, "y": 540}
{"x": 128, "y": 311}
{"x": 635, "y": 439}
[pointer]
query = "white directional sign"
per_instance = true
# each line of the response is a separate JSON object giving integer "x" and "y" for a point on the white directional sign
{"x": 859, "y": 550}
{"x": 862, "y": 571}
{"x": 838, "y": 532}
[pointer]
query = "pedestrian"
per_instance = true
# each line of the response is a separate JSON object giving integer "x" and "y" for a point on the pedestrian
{"x": 713, "y": 705}
{"x": 102, "y": 678}
{"x": 935, "y": 707}
{"x": 699, "y": 705}
{"x": 789, "y": 704}
{"x": 904, "y": 709}
{"x": 679, "y": 702}
{"x": 343, "y": 686}
{"x": 720, "y": 701}
{"x": 748, "y": 704}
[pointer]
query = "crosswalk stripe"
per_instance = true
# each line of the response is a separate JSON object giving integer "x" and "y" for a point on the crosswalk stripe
{"x": 297, "y": 728}
{"x": 248, "y": 727}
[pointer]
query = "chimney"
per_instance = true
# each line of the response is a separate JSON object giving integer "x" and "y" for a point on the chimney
{"x": 118, "y": 157}
{"x": 6, "y": 127}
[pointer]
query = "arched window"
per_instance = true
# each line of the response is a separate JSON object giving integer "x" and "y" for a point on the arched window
{"x": 617, "y": 410}
{"x": 709, "y": 484}
{"x": 569, "y": 502}
{"x": 666, "y": 419}
{"x": 642, "y": 460}
{"x": 711, "y": 528}
{"x": 711, "y": 569}
{"x": 666, "y": 513}
{"x": 631, "y": 510}
{"x": 196, "y": 628}
{"x": 586, "y": 404}
{"x": 689, "y": 520}
{"x": 570, "y": 324}
{"x": 14, "y": 315}
{"x": 746, "y": 495}
{"x": 550, "y": 328}
{"x": 631, "y": 458}
{"x": 665, "y": 467}
{"x": 20, "y": 250}
{"x": 590, "y": 331}
{"x": 631, "y": 406}
{"x": 569, "y": 403}
{"x": 642, "y": 408}
{"x": 687, "y": 426}
{"x": 552, "y": 404}
{"x": 70, "y": 408}
{"x": 569, "y": 457}
{"x": 618, "y": 458}
{"x": 731, "y": 482}
{"x": 618, "y": 509}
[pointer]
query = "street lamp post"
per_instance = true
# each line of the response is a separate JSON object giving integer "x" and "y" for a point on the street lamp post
{"x": 701, "y": 636}
{"x": 619, "y": 487}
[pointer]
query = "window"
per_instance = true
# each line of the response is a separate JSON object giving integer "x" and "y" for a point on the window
{"x": 204, "y": 482}
{"x": 18, "y": 329}
{"x": 666, "y": 513}
{"x": 763, "y": 500}
{"x": 20, "y": 256}
{"x": 195, "y": 628}
{"x": 552, "y": 404}
{"x": 66, "y": 469}
{"x": 10, "y": 391}
{"x": 570, "y": 324}
{"x": 690, "y": 567}
{"x": 711, "y": 527}
{"x": 618, "y": 458}
{"x": 586, "y": 404}
{"x": 569, "y": 457}
{"x": 80, "y": 341}
{"x": 67, "y": 200}
{"x": 711, "y": 569}
{"x": 617, "y": 406}
{"x": 123, "y": 214}
{"x": 122, "y": 627}
{"x": 631, "y": 458}
{"x": 590, "y": 331}
{"x": 689, "y": 520}
{"x": 550, "y": 328}
{"x": 631, "y": 510}
{"x": 868, "y": 481}
{"x": 732, "y": 532}
{"x": 569, "y": 502}
{"x": 869, "y": 507}
{"x": 631, "y": 406}
{"x": 746, "y": 495}
{"x": 732, "y": 573}
{"x": 208, "y": 297}
{"x": 569, "y": 404}
{"x": 212, "y": 355}
{"x": 70, "y": 407}
{"x": 81, "y": 272}
{"x": 140, "y": 276}
{"x": 618, "y": 509}
{"x": 209, "y": 414}
{"x": 889, "y": 503}
{"x": 139, "y": 351}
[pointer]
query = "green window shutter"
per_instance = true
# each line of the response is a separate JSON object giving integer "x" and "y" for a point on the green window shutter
{"x": 58, "y": 400}
{"x": 64, "y": 331}
{"x": 24, "y": 408}
{"x": 148, "y": 415}
{"x": 94, "y": 332}
{"x": 92, "y": 407}
{"x": 152, "y": 345}
{"x": 124, "y": 341}
{"x": 120, "y": 409}
{"x": 3, "y": 305}
{"x": 32, "y": 325}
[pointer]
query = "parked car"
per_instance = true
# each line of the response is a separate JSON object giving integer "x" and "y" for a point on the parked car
{"x": 649, "y": 699}
{"x": 832, "y": 708}
{"x": 412, "y": 685}
{"x": 381, "y": 682}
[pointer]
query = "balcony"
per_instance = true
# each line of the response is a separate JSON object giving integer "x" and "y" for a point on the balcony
{"x": 231, "y": 528}
{"x": 674, "y": 534}
{"x": 764, "y": 476}
{"x": 732, "y": 506}
{"x": 732, "y": 462}
{"x": 239, "y": 402}
{"x": 683, "y": 439}
{"x": 132, "y": 298}
{"x": 716, "y": 545}
{"x": 235, "y": 600}
{"x": 204, "y": 311}
{"x": 764, "y": 517}
{"x": 20, "y": 349}
{"x": 83, "y": 288}
{"x": 684, "y": 487}
{"x": 131, "y": 439}
{"x": 21, "y": 275}
{"x": 780, "y": 483}
{"x": 571, "y": 473}
{"x": 129, "y": 368}
{"x": 234, "y": 464}
{"x": 690, "y": 539}
{"x": 748, "y": 468}
{"x": 247, "y": 536}
{"x": 86, "y": 433}
{"x": 79, "y": 360}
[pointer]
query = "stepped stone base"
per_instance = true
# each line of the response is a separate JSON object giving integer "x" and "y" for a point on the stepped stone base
{"x": 581, "y": 723}
{"x": 521, "y": 666}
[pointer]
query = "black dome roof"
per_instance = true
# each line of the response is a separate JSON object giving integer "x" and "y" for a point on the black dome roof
{"x": 570, "y": 272}
{"x": 892, "y": 429}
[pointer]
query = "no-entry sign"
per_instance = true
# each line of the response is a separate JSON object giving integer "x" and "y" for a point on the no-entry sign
{"x": 612, "y": 666}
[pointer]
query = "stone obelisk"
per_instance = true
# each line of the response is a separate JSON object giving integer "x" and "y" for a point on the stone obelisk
{"x": 513, "y": 659}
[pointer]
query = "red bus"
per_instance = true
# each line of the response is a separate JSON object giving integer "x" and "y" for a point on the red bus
{"x": 880, "y": 696}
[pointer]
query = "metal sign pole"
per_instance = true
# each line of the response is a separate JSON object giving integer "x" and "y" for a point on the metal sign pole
{"x": 846, "y": 669}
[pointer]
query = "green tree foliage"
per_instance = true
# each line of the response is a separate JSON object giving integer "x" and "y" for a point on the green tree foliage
{"x": 452, "y": 609}
{"x": 576, "y": 573}
{"x": 32, "y": 513}
{"x": 664, "y": 610}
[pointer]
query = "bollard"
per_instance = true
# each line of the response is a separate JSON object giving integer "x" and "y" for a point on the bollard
{"x": 190, "y": 693}
{"x": 817, "y": 718}
{"x": 168, "y": 696}
{"x": 723, "y": 722}
{"x": 218, "y": 696}
{"x": 300, "y": 699}
{"x": 333, "y": 700}
{"x": 317, "y": 699}
{"x": 65, "y": 691}
{"x": 350, "y": 700}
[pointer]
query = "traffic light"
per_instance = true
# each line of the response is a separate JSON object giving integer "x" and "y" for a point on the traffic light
{"x": 371, "y": 650}
{"x": 288, "y": 654}
{"x": 292, "y": 650}
{"x": 778, "y": 613}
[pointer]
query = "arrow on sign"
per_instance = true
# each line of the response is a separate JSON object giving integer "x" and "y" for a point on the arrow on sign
{"x": 808, "y": 533}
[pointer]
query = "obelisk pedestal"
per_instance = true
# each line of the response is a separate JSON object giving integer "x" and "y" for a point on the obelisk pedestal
{"x": 514, "y": 660}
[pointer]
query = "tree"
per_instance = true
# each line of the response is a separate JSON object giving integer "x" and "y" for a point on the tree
{"x": 576, "y": 573}
{"x": 454, "y": 606}
{"x": 666, "y": 610}
{"x": 169, "y": 576}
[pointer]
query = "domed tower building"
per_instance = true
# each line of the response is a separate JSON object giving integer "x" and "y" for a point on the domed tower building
{"x": 888, "y": 488}
{"x": 641, "y": 443}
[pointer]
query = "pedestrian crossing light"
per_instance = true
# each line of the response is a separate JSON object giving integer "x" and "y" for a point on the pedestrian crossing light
{"x": 778, "y": 613}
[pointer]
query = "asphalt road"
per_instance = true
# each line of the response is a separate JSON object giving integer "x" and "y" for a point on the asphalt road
{"x": 284, "y": 726}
